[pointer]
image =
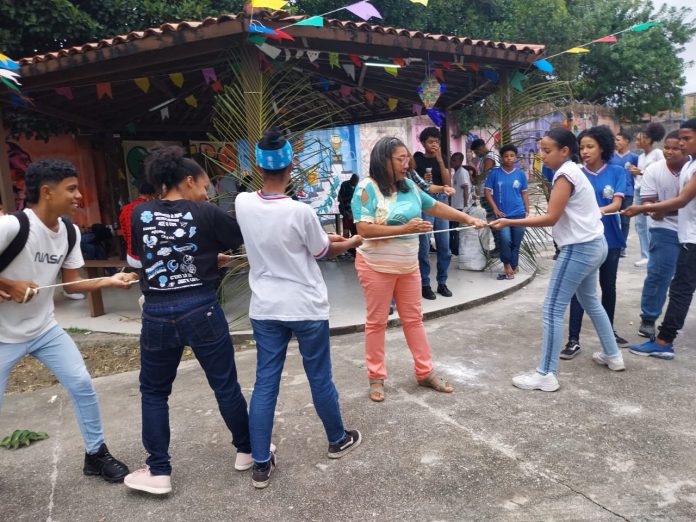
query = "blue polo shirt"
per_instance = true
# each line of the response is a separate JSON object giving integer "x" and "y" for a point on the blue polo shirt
{"x": 621, "y": 161}
{"x": 609, "y": 181}
{"x": 507, "y": 189}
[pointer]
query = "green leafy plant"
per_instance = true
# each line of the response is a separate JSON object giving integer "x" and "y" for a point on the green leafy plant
{"x": 22, "y": 438}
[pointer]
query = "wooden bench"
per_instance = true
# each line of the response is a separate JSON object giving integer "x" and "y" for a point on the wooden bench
{"x": 95, "y": 268}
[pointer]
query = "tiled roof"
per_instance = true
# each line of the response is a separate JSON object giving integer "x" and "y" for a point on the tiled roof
{"x": 278, "y": 18}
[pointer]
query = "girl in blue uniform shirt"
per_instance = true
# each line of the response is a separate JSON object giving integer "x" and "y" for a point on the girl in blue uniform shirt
{"x": 609, "y": 182}
{"x": 506, "y": 193}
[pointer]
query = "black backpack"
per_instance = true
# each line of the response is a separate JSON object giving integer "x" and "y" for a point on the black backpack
{"x": 20, "y": 240}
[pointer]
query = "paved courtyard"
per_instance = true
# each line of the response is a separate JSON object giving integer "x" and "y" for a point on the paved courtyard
{"x": 606, "y": 446}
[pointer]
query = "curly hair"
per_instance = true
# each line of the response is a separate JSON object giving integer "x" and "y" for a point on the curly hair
{"x": 379, "y": 157}
{"x": 508, "y": 148}
{"x": 429, "y": 132}
{"x": 46, "y": 172}
{"x": 655, "y": 132}
{"x": 604, "y": 137}
{"x": 167, "y": 166}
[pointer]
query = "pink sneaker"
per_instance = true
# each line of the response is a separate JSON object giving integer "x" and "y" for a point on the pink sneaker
{"x": 245, "y": 462}
{"x": 143, "y": 480}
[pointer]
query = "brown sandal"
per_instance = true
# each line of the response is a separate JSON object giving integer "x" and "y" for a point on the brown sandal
{"x": 377, "y": 392}
{"x": 437, "y": 383}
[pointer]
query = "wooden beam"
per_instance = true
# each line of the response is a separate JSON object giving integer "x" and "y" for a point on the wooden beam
{"x": 6, "y": 192}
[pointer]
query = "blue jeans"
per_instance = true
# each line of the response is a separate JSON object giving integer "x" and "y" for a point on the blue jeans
{"x": 642, "y": 229}
{"x": 625, "y": 220}
{"x": 607, "y": 282}
{"x": 574, "y": 273}
{"x": 664, "y": 251}
{"x": 442, "y": 245}
{"x": 272, "y": 338}
{"x": 510, "y": 241}
{"x": 57, "y": 351}
{"x": 169, "y": 324}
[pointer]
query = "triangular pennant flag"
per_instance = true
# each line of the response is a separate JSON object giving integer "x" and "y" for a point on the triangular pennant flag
{"x": 516, "y": 81}
{"x": 325, "y": 84}
{"x": 313, "y": 55}
{"x": 10, "y": 85}
{"x": 399, "y": 61}
{"x": 356, "y": 60}
{"x": 65, "y": 92}
{"x": 424, "y": 2}
{"x": 333, "y": 60}
{"x": 217, "y": 87}
{"x": 491, "y": 75}
{"x": 544, "y": 66}
{"x": 177, "y": 79}
{"x": 299, "y": 54}
{"x": 439, "y": 74}
{"x": 394, "y": 71}
{"x": 288, "y": 54}
{"x": 577, "y": 50}
{"x": 260, "y": 29}
{"x": 417, "y": 109}
{"x": 313, "y": 21}
{"x": 474, "y": 67}
{"x": 164, "y": 113}
{"x": 12, "y": 76}
{"x": 257, "y": 39}
{"x": 461, "y": 66}
{"x": 437, "y": 116}
{"x": 364, "y": 10}
{"x": 143, "y": 83}
{"x": 192, "y": 101}
{"x": 7, "y": 63}
{"x": 606, "y": 39}
{"x": 104, "y": 89}
{"x": 345, "y": 91}
{"x": 370, "y": 97}
{"x": 209, "y": 75}
{"x": 447, "y": 65}
{"x": 350, "y": 70}
{"x": 645, "y": 26}
{"x": 19, "y": 101}
{"x": 392, "y": 103}
{"x": 270, "y": 4}
{"x": 131, "y": 128}
{"x": 281, "y": 35}
{"x": 271, "y": 51}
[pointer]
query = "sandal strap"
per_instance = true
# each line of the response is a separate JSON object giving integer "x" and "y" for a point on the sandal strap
{"x": 435, "y": 382}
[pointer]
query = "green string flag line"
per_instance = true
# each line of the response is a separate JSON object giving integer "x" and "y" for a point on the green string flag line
{"x": 644, "y": 27}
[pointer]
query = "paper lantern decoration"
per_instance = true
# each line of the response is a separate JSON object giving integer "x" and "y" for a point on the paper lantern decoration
{"x": 429, "y": 91}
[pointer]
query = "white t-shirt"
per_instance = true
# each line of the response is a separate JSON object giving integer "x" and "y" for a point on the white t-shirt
{"x": 39, "y": 262}
{"x": 687, "y": 215}
{"x": 644, "y": 161}
{"x": 283, "y": 239}
{"x": 660, "y": 183}
{"x": 582, "y": 220}
{"x": 461, "y": 177}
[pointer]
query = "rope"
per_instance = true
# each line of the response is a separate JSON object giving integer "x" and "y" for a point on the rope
{"x": 33, "y": 291}
{"x": 466, "y": 227}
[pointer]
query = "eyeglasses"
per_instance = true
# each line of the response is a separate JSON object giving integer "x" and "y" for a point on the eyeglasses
{"x": 403, "y": 159}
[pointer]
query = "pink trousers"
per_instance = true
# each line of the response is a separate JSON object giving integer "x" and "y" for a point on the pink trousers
{"x": 406, "y": 289}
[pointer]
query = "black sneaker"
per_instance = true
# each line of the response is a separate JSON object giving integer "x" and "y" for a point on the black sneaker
{"x": 428, "y": 293}
{"x": 351, "y": 441}
{"x": 620, "y": 340}
{"x": 102, "y": 463}
{"x": 647, "y": 329}
{"x": 261, "y": 474}
{"x": 443, "y": 290}
{"x": 571, "y": 350}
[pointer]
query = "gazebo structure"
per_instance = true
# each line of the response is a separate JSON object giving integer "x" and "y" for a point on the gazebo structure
{"x": 161, "y": 83}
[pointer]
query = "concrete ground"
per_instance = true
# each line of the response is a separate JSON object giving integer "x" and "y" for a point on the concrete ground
{"x": 606, "y": 446}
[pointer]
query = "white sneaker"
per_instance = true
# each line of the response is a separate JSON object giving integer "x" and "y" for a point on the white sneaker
{"x": 143, "y": 480}
{"x": 244, "y": 461}
{"x": 74, "y": 297}
{"x": 615, "y": 363}
{"x": 536, "y": 381}
{"x": 642, "y": 262}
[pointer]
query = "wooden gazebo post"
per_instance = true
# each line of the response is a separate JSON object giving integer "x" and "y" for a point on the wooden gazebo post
{"x": 6, "y": 192}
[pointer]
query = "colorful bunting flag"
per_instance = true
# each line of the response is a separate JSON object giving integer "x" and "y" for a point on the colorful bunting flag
{"x": 350, "y": 70}
{"x": 364, "y": 10}
{"x": 143, "y": 84}
{"x": 424, "y": 2}
{"x": 164, "y": 113}
{"x": 104, "y": 89}
{"x": 269, "y": 50}
{"x": 131, "y": 128}
{"x": 394, "y": 71}
{"x": 516, "y": 81}
{"x": 260, "y": 29}
{"x": 19, "y": 100}
{"x": 313, "y": 55}
{"x": 10, "y": 85}
{"x": 606, "y": 39}
{"x": 65, "y": 92}
{"x": 325, "y": 84}
{"x": 392, "y": 103}
{"x": 417, "y": 109}
{"x": 177, "y": 79}
{"x": 356, "y": 60}
{"x": 299, "y": 54}
{"x": 217, "y": 87}
{"x": 257, "y": 39}
{"x": 439, "y": 74}
{"x": 447, "y": 65}
{"x": 11, "y": 76}
{"x": 645, "y": 26}
{"x": 270, "y": 4}
{"x": 399, "y": 61}
{"x": 281, "y": 35}
{"x": 333, "y": 60}
{"x": 192, "y": 101}
{"x": 370, "y": 97}
{"x": 313, "y": 21}
{"x": 474, "y": 67}
{"x": 345, "y": 91}
{"x": 578, "y": 50}
{"x": 492, "y": 76}
{"x": 438, "y": 117}
{"x": 7, "y": 63}
{"x": 544, "y": 66}
{"x": 209, "y": 75}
